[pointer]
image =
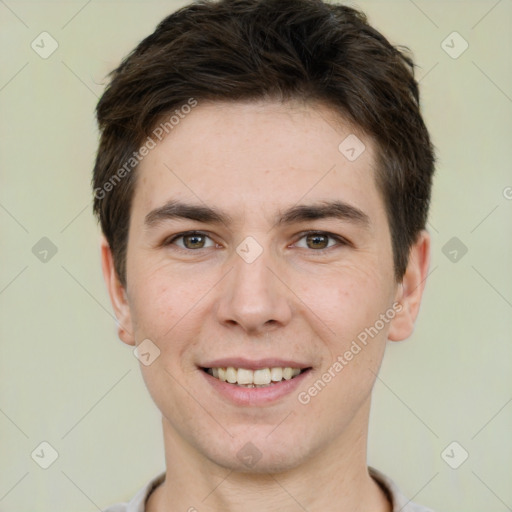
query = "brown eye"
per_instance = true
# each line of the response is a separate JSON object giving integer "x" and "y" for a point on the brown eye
{"x": 319, "y": 241}
{"x": 191, "y": 241}
{"x": 194, "y": 241}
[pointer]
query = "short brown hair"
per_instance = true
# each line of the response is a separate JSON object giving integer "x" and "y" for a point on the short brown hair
{"x": 239, "y": 50}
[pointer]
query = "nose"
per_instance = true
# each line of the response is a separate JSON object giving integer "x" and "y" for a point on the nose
{"x": 252, "y": 297}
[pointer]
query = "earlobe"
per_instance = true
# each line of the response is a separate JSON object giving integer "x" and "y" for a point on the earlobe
{"x": 117, "y": 294}
{"x": 410, "y": 291}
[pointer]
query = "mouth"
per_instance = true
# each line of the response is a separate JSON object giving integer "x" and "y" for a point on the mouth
{"x": 258, "y": 378}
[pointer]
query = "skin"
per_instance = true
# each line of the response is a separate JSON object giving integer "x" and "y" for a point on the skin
{"x": 254, "y": 160}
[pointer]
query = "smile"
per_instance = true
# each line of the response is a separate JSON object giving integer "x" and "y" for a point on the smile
{"x": 262, "y": 377}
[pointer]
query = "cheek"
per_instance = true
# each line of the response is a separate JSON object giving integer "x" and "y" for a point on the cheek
{"x": 167, "y": 303}
{"x": 154, "y": 305}
{"x": 346, "y": 300}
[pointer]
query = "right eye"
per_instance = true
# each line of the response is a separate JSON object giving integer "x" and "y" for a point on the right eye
{"x": 191, "y": 240}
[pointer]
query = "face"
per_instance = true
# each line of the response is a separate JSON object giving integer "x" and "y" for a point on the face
{"x": 258, "y": 252}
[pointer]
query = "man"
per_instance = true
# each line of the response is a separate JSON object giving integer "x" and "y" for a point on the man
{"x": 262, "y": 182}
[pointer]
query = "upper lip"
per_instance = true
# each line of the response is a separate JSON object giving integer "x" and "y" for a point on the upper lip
{"x": 254, "y": 364}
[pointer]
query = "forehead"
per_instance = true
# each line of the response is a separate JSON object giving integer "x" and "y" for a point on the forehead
{"x": 245, "y": 156}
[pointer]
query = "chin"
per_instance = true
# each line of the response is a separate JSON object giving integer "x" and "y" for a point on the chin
{"x": 267, "y": 464}
{"x": 259, "y": 454}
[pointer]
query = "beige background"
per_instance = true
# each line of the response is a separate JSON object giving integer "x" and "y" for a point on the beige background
{"x": 67, "y": 380}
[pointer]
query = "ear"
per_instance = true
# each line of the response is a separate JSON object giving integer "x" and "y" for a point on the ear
{"x": 117, "y": 295}
{"x": 410, "y": 290}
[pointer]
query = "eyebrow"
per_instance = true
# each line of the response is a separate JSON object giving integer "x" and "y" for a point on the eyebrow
{"x": 323, "y": 210}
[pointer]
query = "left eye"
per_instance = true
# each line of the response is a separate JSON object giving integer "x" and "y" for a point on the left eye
{"x": 318, "y": 241}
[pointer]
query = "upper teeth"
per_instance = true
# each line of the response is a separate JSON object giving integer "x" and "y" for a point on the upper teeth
{"x": 257, "y": 377}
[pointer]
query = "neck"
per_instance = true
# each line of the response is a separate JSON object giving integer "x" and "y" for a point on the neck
{"x": 334, "y": 479}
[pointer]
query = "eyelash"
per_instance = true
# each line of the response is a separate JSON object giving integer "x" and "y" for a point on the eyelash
{"x": 341, "y": 241}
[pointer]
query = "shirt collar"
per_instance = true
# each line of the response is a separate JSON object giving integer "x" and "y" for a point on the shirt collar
{"x": 399, "y": 502}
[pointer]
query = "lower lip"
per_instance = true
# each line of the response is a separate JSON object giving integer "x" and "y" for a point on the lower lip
{"x": 243, "y": 396}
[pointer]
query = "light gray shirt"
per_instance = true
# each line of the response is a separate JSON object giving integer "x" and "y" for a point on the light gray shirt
{"x": 399, "y": 502}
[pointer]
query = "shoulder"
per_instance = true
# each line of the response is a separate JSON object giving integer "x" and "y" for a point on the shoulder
{"x": 138, "y": 502}
{"x": 118, "y": 507}
{"x": 398, "y": 500}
